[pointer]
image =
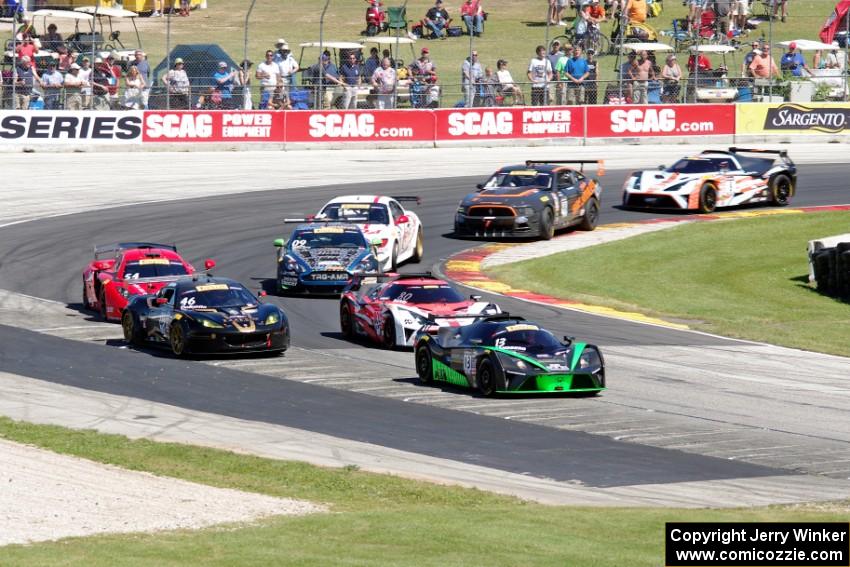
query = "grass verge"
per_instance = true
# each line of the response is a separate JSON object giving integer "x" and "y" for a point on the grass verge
{"x": 742, "y": 278}
{"x": 375, "y": 520}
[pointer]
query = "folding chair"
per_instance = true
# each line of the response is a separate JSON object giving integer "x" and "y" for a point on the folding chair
{"x": 397, "y": 19}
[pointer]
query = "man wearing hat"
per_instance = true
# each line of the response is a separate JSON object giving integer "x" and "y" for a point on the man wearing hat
{"x": 51, "y": 84}
{"x": 437, "y": 20}
{"x": 225, "y": 80}
{"x": 178, "y": 85}
{"x": 25, "y": 77}
{"x": 73, "y": 88}
{"x": 287, "y": 63}
{"x": 86, "y": 77}
{"x": 792, "y": 61}
{"x": 100, "y": 79}
{"x": 748, "y": 58}
{"x": 115, "y": 72}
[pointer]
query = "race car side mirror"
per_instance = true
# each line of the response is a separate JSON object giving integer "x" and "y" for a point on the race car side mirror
{"x": 209, "y": 264}
{"x": 475, "y": 297}
{"x": 403, "y": 219}
{"x": 568, "y": 340}
{"x": 160, "y": 301}
{"x": 480, "y": 186}
{"x": 278, "y": 243}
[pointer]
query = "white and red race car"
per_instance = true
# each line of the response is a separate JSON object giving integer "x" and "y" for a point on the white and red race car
{"x": 712, "y": 179}
{"x": 398, "y": 229}
{"x": 395, "y": 307}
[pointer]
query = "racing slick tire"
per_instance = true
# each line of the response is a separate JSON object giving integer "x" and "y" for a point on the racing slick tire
{"x": 485, "y": 379}
{"x": 101, "y": 299}
{"x": 132, "y": 331}
{"x": 424, "y": 369}
{"x": 708, "y": 198}
{"x": 591, "y": 215}
{"x": 394, "y": 258}
{"x": 86, "y": 304}
{"x": 547, "y": 224}
{"x": 419, "y": 249}
{"x": 177, "y": 340}
{"x": 346, "y": 323}
{"x": 781, "y": 189}
{"x": 388, "y": 339}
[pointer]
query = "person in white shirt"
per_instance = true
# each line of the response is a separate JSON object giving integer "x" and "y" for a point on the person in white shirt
{"x": 85, "y": 77}
{"x": 73, "y": 88}
{"x": 268, "y": 72}
{"x": 51, "y": 83}
{"x": 288, "y": 65}
{"x": 383, "y": 80}
{"x": 506, "y": 82}
{"x": 539, "y": 73}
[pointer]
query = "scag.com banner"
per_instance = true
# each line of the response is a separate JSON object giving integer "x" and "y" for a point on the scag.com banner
{"x": 360, "y": 126}
{"x": 808, "y": 118}
{"x": 220, "y": 126}
{"x": 63, "y": 127}
{"x": 509, "y": 123}
{"x": 660, "y": 120}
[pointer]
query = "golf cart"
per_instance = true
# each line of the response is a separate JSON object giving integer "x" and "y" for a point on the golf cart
{"x": 713, "y": 85}
{"x": 44, "y": 55}
{"x": 108, "y": 17}
{"x": 338, "y": 51}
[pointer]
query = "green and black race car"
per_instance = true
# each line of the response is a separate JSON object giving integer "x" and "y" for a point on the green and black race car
{"x": 533, "y": 199}
{"x": 507, "y": 354}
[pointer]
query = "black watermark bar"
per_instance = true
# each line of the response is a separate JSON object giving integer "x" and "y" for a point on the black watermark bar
{"x": 744, "y": 544}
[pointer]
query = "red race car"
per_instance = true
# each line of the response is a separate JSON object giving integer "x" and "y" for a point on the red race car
{"x": 395, "y": 307}
{"x": 120, "y": 271}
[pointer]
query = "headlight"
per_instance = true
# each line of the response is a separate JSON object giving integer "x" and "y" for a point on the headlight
{"x": 524, "y": 211}
{"x": 367, "y": 264}
{"x": 210, "y": 324}
{"x": 272, "y": 319}
{"x": 636, "y": 178}
{"x": 589, "y": 359}
{"x": 461, "y": 210}
{"x": 290, "y": 264}
{"x": 512, "y": 364}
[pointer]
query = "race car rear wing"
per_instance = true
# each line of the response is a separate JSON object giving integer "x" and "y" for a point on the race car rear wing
{"x": 407, "y": 199}
{"x": 783, "y": 154}
{"x": 310, "y": 219}
{"x": 503, "y": 316}
{"x": 113, "y": 249}
{"x": 600, "y": 164}
{"x": 373, "y": 278}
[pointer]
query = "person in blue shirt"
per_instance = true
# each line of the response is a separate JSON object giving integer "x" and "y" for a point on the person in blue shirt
{"x": 577, "y": 71}
{"x": 794, "y": 62}
{"x": 224, "y": 82}
{"x": 350, "y": 72}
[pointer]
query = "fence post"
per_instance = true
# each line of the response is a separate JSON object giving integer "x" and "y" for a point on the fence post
{"x": 395, "y": 55}
{"x": 546, "y": 76}
{"x": 319, "y": 94}
{"x": 14, "y": 60}
{"x": 168, "y": 57}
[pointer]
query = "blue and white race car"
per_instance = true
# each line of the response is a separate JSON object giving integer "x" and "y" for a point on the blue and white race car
{"x": 323, "y": 257}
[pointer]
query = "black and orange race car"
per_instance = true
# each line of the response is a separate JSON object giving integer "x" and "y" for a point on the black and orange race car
{"x": 533, "y": 199}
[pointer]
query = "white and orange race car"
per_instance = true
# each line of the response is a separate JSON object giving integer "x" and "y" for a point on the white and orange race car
{"x": 714, "y": 178}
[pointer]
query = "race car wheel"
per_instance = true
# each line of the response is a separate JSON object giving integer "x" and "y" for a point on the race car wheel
{"x": 346, "y": 325}
{"x": 101, "y": 300}
{"x": 423, "y": 365}
{"x": 86, "y": 304}
{"x": 781, "y": 190}
{"x": 547, "y": 224}
{"x": 419, "y": 251}
{"x": 177, "y": 339}
{"x": 591, "y": 215}
{"x": 708, "y": 198}
{"x": 132, "y": 332}
{"x": 485, "y": 381}
{"x": 388, "y": 333}
{"x": 394, "y": 259}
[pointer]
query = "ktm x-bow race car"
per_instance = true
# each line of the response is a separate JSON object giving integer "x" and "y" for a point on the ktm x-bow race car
{"x": 503, "y": 353}
{"x": 531, "y": 200}
{"x": 202, "y": 314}
{"x": 397, "y": 231}
{"x": 126, "y": 269}
{"x": 714, "y": 178}
{"x": 395, "y": 307}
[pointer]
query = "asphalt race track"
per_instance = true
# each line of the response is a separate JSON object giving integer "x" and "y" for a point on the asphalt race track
{"x": 362, "y": 393}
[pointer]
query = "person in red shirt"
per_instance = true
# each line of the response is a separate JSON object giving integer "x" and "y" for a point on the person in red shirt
{"x": 115, "y": 68}
{"x": 26, "y": 49}
{"x": 473, "y": 16}
{"x": 704, "y": 63}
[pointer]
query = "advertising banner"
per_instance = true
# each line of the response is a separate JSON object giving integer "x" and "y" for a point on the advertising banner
{"x": 65, "y": 127}
{"x": 793, "y": 118}
{"x": 218, "y": 126}
{"x": 360, "y": 126}
{"x": 509, "y": 123}
{"x": 660, "y": 120}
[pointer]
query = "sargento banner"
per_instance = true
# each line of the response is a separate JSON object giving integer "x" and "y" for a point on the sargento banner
{"x": 219, "y": 126}
{"x": 809, "y": 118}
{"x": 660, "y": 120}
{"x": 58, "y": 127}
{"x": 360, "y": 126}
{"x": 510, "y": 123}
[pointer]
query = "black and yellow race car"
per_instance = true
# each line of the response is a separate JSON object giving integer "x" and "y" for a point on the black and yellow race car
{"x": 533, "y": 199}
{"x": 507, "y": 354}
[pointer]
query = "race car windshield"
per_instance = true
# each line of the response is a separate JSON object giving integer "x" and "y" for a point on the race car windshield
{"x": 153, "y": 268}
{"x": 694, "y": 166}
{"x": 526, "y": 340}
{"x": 519, "y": 179}
{"x": 215, "y": 295}
{"x": 327, "y": 238}
{"x": 374, "y": 213}
{"x": 422, "y": 294}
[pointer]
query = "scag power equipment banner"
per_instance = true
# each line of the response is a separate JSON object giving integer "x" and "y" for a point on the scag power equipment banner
{"x": 509, "y": 123}
{"x": 360, "y": 126}
{"x": 795, "y": 118}
{"x": 219, "y": 126}
{"x": 660, "y": 120}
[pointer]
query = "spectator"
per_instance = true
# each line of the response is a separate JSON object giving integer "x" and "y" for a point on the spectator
{"x": 489, "y": 87}
{"x": 776, "y": 5}
{"x": 185, "y": 8}
{"x": 225, "y": 80}
{"x": 25, "y": 77}
{"x": 73, "y": 89}
{"x": 694, "y": 13}
{"x": 704, "y": 63}
{"x": 27, "y": 48}
{"x": 86, "y": 78}
{"x": 640, "y": 73}
{"x": 157, "y": 9}
{"x": 134, "y": 87}
{"x": 473, "y": 16}
{"x": 833, "y": 60}
{"x": 671, "y": 74}
{"x": 325, "y": 73}
{"x": 26, "y": 29}
{"x": 437, "y": 20}
{"x": 101, "y": 77}
{"x": 748, "y": 58}
{"x": 350, "y": 72}
{"x": 383, "y": 81}
{"x": 559, "y": 73}
{"x": 595, "y": 13}
{"x": 577, "y": 72}
{"x": 539, "y": 73}
{"x": 65, "y": 59}
{"x": 386, "y": 53}
{"x": 288, "y": 65}
{"x": 793, "y": 62}
{"x": 52, "y": 39}
{"x": 556, "y": 9}
{"x": 268, "y": 72}
{"x": 636, "y": 11}
{"x": 51, "y": 84}
{"x": 372, "y": 63}
{"x": 140, "y": 62}
{"x": 555, "y": 53}
{"x": 245, "y": 83}
{"x": 740, "y": 11}
{"x": 423, "y": 69}
{"x": 763, "y": 65}
{"x": 507, "y": 84}
{"x": 10, "y": 8}
{"x": 590, "y": 84}
{"x": 115, "y": 79}
{"x": 179, "y": 87}
{"x": 470, "y": 77}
